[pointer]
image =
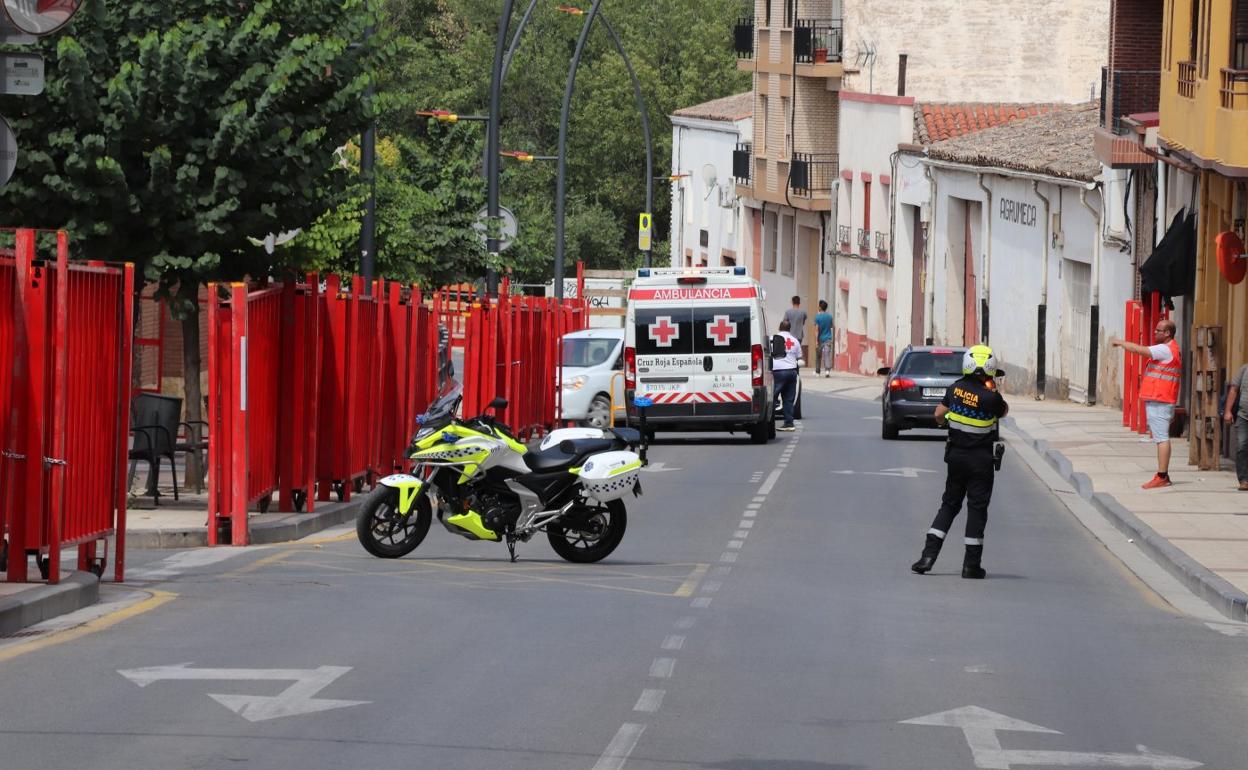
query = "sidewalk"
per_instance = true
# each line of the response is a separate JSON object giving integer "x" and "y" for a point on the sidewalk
{"x": 1197, "y": 529}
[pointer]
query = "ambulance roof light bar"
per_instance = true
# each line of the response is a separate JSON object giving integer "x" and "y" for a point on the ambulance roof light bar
{"x": 647, "y": 272}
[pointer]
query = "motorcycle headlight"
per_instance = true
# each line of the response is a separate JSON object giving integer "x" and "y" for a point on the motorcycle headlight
{"x": 424, "y": 433}
{"x": 576, "y": 383}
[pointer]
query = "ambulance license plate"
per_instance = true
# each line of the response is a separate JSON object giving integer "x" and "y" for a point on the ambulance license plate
{"x": 933, "y": 392}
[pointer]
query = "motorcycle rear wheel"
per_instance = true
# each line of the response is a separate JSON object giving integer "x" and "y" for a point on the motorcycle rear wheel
{"x": 384, "y": 532}
{"x": 590, "y": 532}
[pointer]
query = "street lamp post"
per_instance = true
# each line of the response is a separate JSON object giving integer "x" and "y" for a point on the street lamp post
{"x": 492, "y": 144}
{"x": 368, "y": 158}
{"x": 561, "y": 177}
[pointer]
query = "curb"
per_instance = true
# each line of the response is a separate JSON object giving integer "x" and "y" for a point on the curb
{"x": 1217, "y": 591}
{"x": 267, "y": 533}
{"x": 78, "y": 590}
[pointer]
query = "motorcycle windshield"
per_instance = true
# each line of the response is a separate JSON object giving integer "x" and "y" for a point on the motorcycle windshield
{"x": 443, "y": 408}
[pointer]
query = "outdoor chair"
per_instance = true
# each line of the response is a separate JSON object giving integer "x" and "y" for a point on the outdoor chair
{"x": 186, "y": 442}
{"x": 155, "y": 431}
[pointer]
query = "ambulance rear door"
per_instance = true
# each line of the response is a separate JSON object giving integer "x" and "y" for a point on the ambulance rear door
{"x": 663, "y": 336}
{"x": 721, "y": 344}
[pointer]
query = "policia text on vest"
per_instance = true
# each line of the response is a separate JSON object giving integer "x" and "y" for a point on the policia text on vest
{"x": 972, "y": 408}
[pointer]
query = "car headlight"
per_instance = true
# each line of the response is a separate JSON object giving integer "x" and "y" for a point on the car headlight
{"x": 576, "y": 383}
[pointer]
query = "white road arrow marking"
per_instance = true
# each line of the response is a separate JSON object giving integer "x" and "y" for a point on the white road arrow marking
{"x": 980, "y": 726}
{"x": 659, "y": 468}
{"x": 905, "y": 473}
{"x": 293, "y": 701}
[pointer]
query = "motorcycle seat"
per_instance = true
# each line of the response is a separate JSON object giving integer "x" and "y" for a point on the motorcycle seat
{"x": 630, "y": 436}
{"x": 555, "y": 458}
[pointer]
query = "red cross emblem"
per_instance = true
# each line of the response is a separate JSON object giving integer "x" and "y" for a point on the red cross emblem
{"x": 722, "y": 331}
{"x": 662, "y": 331}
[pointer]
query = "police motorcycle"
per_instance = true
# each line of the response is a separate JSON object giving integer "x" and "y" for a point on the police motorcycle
{"x": 483, "y": 484}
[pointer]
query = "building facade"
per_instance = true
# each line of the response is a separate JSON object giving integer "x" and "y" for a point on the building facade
{"x": 707, "y": 215}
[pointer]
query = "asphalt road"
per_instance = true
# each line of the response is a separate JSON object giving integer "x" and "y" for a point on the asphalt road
{"x": 759, "y": 615}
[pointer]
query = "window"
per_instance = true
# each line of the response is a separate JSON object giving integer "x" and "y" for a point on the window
{"x": 770, "y": 233}
{"x": 1193, "y": 36}
{"x": 787, "y": 247}
{"x": 866, "y": 206}
{"x": 787, "y": 108}
{"x": 762, "y": 138}
{"x": 1239, "y": 43}
{"x": 704, "y": 238}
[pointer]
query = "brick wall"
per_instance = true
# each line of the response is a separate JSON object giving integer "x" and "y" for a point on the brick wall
{"x": 1135, "y": 34}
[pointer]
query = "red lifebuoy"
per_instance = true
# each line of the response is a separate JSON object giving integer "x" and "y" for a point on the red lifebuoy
{"x": 1231, "y": 262}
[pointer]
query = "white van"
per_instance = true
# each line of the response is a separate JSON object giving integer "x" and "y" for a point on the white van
{"x": 696, "y": 344}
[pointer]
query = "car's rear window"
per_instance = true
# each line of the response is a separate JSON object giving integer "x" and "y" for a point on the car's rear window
{"x": 930, "y": 364}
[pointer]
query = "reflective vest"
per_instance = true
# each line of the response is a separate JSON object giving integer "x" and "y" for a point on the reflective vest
{"x": 966, "y": 418}
{"x": 1161, "y": 381}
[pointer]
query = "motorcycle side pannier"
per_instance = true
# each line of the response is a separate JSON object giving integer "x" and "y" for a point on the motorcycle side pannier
{"x": 610, "y": 475}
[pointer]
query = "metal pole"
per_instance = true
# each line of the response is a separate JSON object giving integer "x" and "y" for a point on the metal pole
{"x": 368, "y": 160}
{"x": 492, "y": 143}
{"x": 515, "y": 39}
{"x": 561, "y": 181}
{"x": 645, "y": 120}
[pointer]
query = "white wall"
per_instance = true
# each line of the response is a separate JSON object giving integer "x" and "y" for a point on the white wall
{"x": 1016, "y": 276}
{"x": 695, "y": 207}
{"x": 979, "y": 50}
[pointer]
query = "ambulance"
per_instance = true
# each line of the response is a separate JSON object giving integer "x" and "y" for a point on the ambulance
{"x": 696, "y": 345}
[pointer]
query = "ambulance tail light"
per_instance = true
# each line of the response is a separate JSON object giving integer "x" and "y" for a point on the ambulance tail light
{"x": 630, "y": 368}
{"x": 756, "y": 365}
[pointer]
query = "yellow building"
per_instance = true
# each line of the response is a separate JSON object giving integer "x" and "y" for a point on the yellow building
{"x": 1204, "y": 125}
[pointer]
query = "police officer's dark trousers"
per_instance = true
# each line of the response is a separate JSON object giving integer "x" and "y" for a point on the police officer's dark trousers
{"x": 970, "y": 477}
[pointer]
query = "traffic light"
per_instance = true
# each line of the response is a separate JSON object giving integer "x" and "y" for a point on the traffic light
{"x": 22, "y": 74}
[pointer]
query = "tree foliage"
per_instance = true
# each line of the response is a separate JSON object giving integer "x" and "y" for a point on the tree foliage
{"x": 172, "y": 131}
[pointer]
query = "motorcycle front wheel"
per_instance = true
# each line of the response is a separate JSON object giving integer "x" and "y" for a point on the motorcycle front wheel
{"x": 386, "y": 533}
{"x": 589, "y": 532}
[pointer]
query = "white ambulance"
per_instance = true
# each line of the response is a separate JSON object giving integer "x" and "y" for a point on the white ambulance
{"x": 696, "y": 344}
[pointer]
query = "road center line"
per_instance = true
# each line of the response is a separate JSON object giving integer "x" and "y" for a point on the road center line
{"x": 662, "y": 668}
{"x": 620, "y": 747}
{"x": 650, "y": 701}
{"x": 736, "y": 544}
{"x": 702, "y": 602}
{"x": 711, "y": 586}
{"x": 745, "y": 524}
{"x": 728, "y": 557}
{"x": 742, "y": 533}
{"x": 686, "y": 623}
{"x": 674, "y": 642}
{"x": 772, "y": 478}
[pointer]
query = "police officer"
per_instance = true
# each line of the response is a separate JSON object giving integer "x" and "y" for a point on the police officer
{"x": 971, "y": 408}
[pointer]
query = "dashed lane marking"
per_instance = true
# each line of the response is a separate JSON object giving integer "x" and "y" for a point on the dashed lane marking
{"x": 662, "y": 668}
{"x": 770, "y": 483}
{"x": 702, "y": 602}
{"x": 674, "y": 642}
{"x": 620, "y": 747}
{"x": 650, "y": 701}
{"x": 686, "y": 589}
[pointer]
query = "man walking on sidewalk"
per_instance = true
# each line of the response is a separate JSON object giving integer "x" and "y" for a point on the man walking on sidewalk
{"x": 1238, "y": 395}
{"x": 823, "y": 322}
{"x": 797, "y": 320}
{"x": 1159, "y": 390}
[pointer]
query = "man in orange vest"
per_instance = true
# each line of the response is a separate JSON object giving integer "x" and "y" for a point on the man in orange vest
{"x": 1159, "y": 390}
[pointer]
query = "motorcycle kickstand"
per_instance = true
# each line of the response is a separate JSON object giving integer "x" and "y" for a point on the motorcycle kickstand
{"x": 511, "y": 548}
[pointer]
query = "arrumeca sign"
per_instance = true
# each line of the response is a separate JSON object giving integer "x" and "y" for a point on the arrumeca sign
{"x": 21, "y": 74}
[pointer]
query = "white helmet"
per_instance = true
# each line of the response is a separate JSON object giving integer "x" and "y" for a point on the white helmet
{"x": 979, "y": 360}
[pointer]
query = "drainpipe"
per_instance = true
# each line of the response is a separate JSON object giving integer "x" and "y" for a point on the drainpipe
{"x": 1042, "y": 313}
{"x": 1095, "y": 312}
{"x": 984, "y": 303}
{"x": 929, "y": 287}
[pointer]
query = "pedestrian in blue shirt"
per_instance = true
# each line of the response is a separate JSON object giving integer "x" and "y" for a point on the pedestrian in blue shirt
{"x": 823, "y": 322}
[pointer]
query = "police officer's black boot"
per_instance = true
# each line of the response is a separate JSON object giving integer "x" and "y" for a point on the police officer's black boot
{"x": 931, "y": 549}
{"x": 970, "y": 563}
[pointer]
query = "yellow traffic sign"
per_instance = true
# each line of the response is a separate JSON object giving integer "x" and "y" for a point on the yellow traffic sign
{"x": 644, "y": 232}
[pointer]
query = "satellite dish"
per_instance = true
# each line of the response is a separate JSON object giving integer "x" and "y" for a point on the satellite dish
{"x": 709, "y": 175}
{"x": 40, "y": 17}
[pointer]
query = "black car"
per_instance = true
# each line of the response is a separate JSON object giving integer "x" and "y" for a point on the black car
{"x": 914, "y": 386}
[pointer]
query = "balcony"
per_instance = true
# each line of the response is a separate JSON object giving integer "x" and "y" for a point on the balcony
{"x": 1125, "y": 93}
{"x": 842, "y": 236}
{"x": 818, "y": 47}
{"x": 1234, "y": 90}
{"x": 881, "y": 244}
{"x": 1187, "y": 79}
{"x": 743, "y": 164}
{"x": 743, "y": 38}
{"x": 810, "y": 178}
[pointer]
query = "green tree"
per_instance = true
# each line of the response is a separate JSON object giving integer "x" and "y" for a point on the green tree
{"x": 172, "y": 131}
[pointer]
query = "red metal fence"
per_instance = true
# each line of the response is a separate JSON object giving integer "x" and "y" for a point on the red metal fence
{"x": 313, "y": 393}
{"x": 65, "y": 335}
{"x": 1141, "y": 317}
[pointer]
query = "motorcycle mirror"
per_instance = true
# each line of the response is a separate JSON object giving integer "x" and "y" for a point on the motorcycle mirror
{"x": 499, "y": 403}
